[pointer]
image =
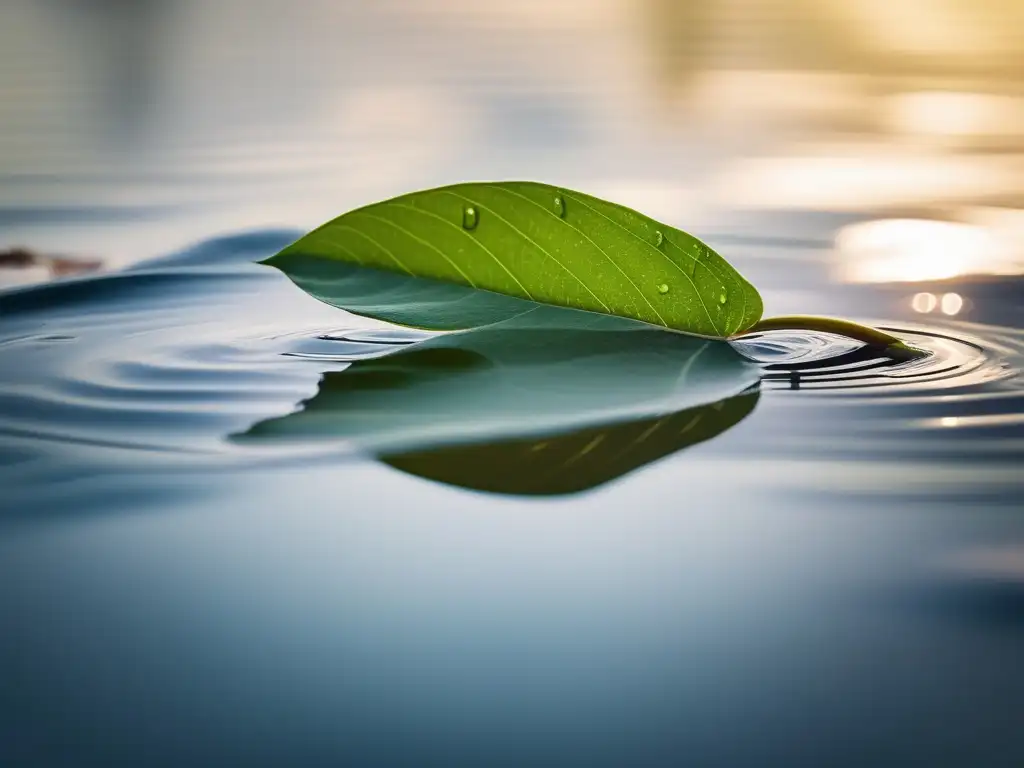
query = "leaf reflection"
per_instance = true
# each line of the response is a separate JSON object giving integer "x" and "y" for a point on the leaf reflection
{"x": 558, "y": 405}
{"x": 576, "y": 461}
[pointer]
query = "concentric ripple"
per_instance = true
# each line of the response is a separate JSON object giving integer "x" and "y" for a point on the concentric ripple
{"x": 824, "y": 362}
{"x": 953, "y": 417}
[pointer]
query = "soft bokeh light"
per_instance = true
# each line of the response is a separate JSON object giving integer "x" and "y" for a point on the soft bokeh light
{"x": 219, "y": 115}
{"x": 949, "y": 114}
{"x": 910, "y": 250}
{"x": 914, "y": 250}
{"x": 852, "y": 177}
{"x": 924, "y": 302}
{"x": 951, "y": 304}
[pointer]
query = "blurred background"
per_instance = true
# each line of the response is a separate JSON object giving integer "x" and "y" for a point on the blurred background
{"x": 890, "y": 135}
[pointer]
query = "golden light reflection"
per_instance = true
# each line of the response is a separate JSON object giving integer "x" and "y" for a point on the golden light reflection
{"x": 913, "y": 250}
{"x": 898, "y": 250}
{"x": 980, "y": 421}
{"x": 924, "y": 302}
{"x": 951, "y": 304}
{"x": 850, "y": 176}
{"x": 951, "y": 114}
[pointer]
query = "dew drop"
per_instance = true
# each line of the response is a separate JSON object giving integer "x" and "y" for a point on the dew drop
{"x": 663, "y": 288}
{"x": 469, "y": 217}
{"x": 658, "y": 238}
{"x": 559, "y": 204}
{"x": 722, "y": 298}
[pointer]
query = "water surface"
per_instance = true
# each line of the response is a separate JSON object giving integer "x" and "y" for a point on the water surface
{"x": 796, "y": 573}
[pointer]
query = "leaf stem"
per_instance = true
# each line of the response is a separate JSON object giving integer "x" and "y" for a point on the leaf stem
{"x": 888, "y": 343}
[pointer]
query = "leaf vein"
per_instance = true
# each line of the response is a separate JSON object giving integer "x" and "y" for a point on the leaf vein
{"x": 420, "y": 240}
{"x": 471, "y": 239}
{"x": 602, "y": 250}
{"x": 387, "y": 251}
{"x": 539, "y": 247}
{"x": 670, "y": 261}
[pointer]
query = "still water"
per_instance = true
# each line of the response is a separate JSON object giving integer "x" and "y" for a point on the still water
{"x": 832, "y": 571}
{"x": 241, "y": 527}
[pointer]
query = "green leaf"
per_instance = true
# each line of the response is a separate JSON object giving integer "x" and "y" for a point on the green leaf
{"x": 554, "y": 376}
{"x": 516, "y": 243}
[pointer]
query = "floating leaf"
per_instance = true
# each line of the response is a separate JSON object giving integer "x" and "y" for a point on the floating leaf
{"x": 474, "y": 254}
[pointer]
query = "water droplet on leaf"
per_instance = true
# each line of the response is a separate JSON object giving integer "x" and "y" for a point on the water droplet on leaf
{"x": 469, "y": 217}
{"x": 658, "y": 238}
{"x": 663, "y": 288}
{"x": 722, "y": 298}
{"x": 560, "y": 206}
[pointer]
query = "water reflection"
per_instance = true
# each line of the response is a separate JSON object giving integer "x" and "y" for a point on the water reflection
{"x": 924, "y": 302}
{"x": 525, "y": 411}
{"x": 575, "y": 461}
{"x": 918, "y": 250}
{"x": 950, "y": 303}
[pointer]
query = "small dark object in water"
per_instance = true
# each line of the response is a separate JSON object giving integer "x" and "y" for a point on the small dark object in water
{"x": 23, "y": 258}
{"x": 17, "y": 257}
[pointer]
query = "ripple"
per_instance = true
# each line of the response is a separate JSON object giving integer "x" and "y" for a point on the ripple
{"x": 823, "y": 362}
{"x": 111, "y": 362}
{"x": 949, "y": 422}
{"x": 352, "y": 345}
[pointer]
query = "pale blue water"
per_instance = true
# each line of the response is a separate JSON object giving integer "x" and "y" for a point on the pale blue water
{"x": 834, "y": 579}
